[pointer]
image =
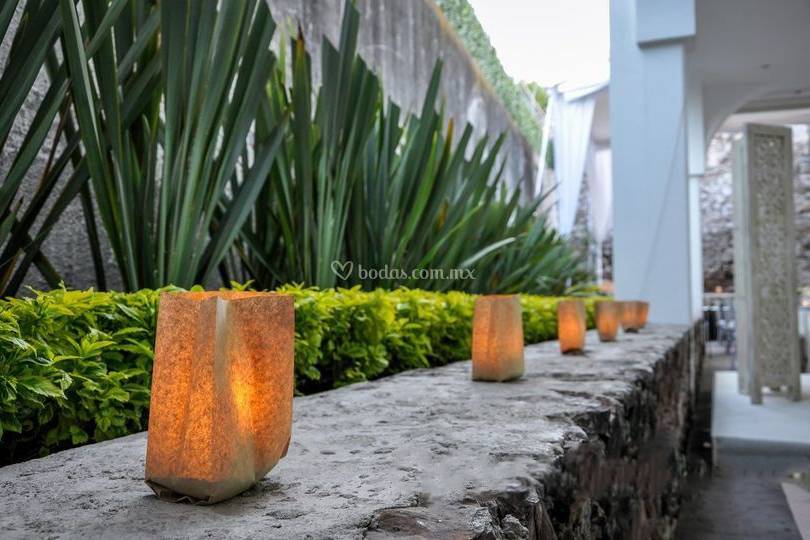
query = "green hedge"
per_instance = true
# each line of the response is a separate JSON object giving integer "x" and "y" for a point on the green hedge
{"x": 75, "y": 365}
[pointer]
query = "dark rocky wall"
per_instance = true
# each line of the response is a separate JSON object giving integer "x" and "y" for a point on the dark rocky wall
{"x": 717, "y": 215}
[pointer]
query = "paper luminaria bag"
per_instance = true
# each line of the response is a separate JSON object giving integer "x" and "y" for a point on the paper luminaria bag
{"x": 497, "y": 340}
{"x": 634, "y": 315}
{"x": 571, "y": 325}
{"x": 644, "y": 311}
{"x": 607, "y": 319}
{"x": 222, "y": 391}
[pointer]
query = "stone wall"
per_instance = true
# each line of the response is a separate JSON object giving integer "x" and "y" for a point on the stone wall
{"x": 582, "y": 446}
{"x": 717, "y": 215}
{"x": 717, "y": 212}
{"x": 401, "y": 39}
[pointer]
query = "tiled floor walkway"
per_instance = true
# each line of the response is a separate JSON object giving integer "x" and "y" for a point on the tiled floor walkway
{"x": 741, "y": 496}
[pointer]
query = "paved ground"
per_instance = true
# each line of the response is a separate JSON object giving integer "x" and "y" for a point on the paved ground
{"x": 778, "y": 419}
{"x": 427, "y": 452}
{"x": 741, "y": 496}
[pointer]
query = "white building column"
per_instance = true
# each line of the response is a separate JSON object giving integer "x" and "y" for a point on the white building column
{"x": 652, "y": 236}
{"x": 696, "y": 158}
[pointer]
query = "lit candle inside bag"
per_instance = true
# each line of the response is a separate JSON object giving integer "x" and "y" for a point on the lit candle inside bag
{"x": 644, "y": 311}
{"x": 497, "y": 340}
{"x": 607, "y": 319}
{"x": 222, "y": 392}
{"x": 571, "y": 325}
{"x": 634, "y": 315}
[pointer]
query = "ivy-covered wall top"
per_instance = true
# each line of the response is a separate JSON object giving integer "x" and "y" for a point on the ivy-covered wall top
{"x": 462, "y": 17}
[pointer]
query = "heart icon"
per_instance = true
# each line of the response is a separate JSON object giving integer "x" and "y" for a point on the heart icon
{"x": 342, "y": 269}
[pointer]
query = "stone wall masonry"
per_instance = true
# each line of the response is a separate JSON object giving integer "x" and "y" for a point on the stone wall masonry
{"x": 583, "y": 446}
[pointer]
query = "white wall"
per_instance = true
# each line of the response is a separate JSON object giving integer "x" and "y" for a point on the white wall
{"x": 696, "y": 158}
{"x": 652, "y": 253}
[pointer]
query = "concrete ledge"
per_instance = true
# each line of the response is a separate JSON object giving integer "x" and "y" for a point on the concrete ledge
{"x": 580, "y": 447}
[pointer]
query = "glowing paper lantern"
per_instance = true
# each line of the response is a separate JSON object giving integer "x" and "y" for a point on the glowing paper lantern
{"x": 643, "y": 311}
{"x": 607, "y": 319}
{"x": 497, "y": 340}
{"x": 571, "y": 325}
{"x": 633, "y": 315}
{"x": 222, "y": 390}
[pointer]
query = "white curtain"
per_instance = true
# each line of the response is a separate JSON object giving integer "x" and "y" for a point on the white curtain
{"x": 572, "y": 117}
{"x": 600, "y": 189}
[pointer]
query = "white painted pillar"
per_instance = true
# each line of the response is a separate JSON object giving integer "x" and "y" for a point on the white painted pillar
{"x": 652, "y": 236}
{"x": 696, "y": 157}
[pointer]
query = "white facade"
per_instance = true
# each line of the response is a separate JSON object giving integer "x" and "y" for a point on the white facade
{"x": 679, "y": 69}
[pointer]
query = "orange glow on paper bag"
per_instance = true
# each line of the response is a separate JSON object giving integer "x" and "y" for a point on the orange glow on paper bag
{"x": 607, "y": 319}
{"x": 222, "y": 388}
{"x": 644, "y": 310}
{"x": 571, "y": 325}
{"x": 497, "y": 340}
{"x": 634, "y": 315}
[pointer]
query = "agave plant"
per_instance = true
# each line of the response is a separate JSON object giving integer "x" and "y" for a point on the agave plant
{"x": 176, "y": 122}
{"x": 32, "y": 50}
{"x": 156, "y": 103}
{"x": 300, "y": 221}
{"x": 356, "y": 181}
{"x": 173, "y": 187}
{"x": 443, "y": 211}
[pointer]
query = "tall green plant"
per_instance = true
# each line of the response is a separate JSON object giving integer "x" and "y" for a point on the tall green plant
{"x": 24, "y": 225}
{"x": 166, "y": 126}
{"x": 302, "y": 215}
{"x": 405, "y": 194}
{"x": 154, "y": 102}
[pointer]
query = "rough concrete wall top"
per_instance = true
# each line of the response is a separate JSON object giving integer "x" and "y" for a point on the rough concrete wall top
{"x": 401, "y": 40}
{"x": 587, "y": 445}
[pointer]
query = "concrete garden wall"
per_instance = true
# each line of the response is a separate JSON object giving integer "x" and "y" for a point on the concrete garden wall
{"x": 587, "y": 446}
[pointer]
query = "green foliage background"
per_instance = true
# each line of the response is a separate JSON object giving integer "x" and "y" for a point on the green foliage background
{"x": 475, "y": 40}
{"x": 75, "y": 366}
{"x": 334, "y": 171}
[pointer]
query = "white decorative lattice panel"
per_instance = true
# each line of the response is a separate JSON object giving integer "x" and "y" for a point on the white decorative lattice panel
{"x": 765, "y": 262}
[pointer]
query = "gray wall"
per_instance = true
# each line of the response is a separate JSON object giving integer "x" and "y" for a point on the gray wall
{"x": 401, "y": 39}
